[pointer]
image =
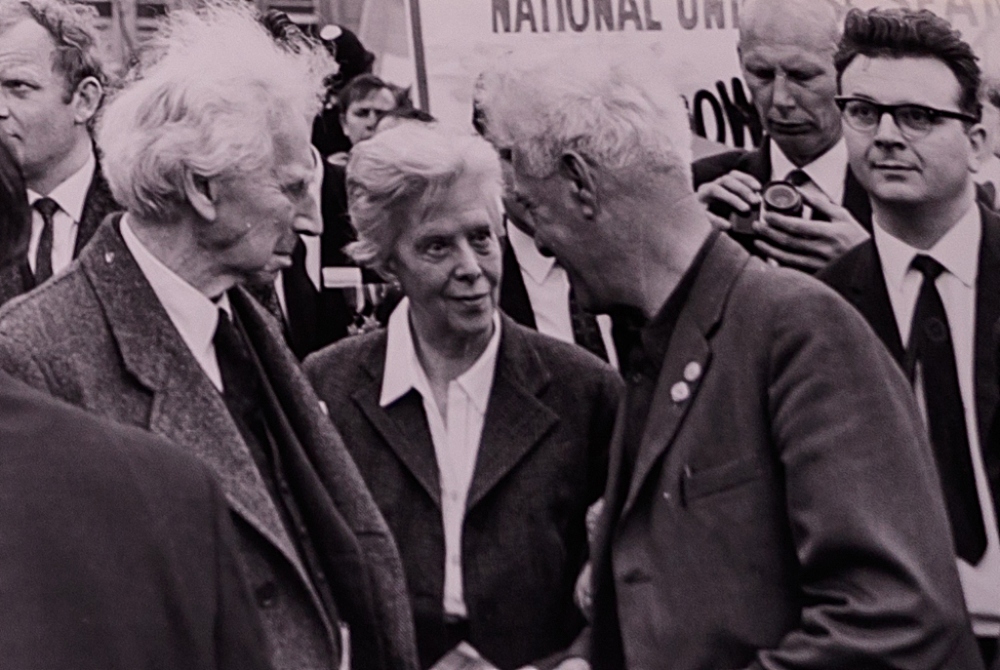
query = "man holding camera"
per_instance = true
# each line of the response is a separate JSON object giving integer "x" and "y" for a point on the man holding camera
{"x": 786, "y": 54}
{"x": 927, "y": 280}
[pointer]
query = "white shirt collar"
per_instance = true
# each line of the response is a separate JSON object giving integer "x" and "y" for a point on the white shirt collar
{"x": 193, "y": 314}
{"x": 71, "y": 194}
{"x": 957, "y": 251}
{"x": 528, "y": 256}
{"x": 403, "y": 370}
{"x": 828, "y": 171}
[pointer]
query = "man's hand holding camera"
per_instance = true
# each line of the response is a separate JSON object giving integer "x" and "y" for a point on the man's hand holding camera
{"x": 785, "y": 238}
{"x": 807, "y": 244}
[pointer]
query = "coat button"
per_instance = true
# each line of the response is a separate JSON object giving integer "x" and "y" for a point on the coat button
{"x": 692, "y": 371}
{"x": 109, "y": 257}
{"x": 680, "y": 392}
{"x": 266, "y": 594}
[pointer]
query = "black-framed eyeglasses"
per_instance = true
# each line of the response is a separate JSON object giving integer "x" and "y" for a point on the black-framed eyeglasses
{"x": 912, "y": 120}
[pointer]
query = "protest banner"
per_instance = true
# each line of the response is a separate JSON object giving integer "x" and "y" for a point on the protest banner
{"x": 454, "y": 40}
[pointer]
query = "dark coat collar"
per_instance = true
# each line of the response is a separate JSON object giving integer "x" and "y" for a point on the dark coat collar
{"x": 516, "y": 419}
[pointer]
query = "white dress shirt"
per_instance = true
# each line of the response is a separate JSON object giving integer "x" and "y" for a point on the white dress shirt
{"x": 548, "y": 292}
{"x": 193, "y": 314}
{"x": 827, "y": 173}
{"x": 70, "y": 195}
{"x": 456, "y": 436}
{"x": 958, "y": 252}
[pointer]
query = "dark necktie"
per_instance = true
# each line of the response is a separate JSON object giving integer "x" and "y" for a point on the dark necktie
{"x": 239, "y": 381}
{"x": 586, "y": 332}
{"x": 930, "y": 345}
{"x": 47, "y": 207}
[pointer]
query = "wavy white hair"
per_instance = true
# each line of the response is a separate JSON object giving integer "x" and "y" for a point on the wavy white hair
{"x": 616, "y": 108}
{"x": 204, "y": 98}
{"x": 398, "y": 177}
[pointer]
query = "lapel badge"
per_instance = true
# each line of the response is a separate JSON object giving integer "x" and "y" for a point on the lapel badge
{"x": 680, "y": 392}
{"x": 692, "y": 371}
{"x": 109, "y": 256}
{"x": 323, "y": 408}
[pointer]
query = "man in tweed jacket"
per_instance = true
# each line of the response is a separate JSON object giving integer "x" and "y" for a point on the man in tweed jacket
{"x": 150, "y": 328}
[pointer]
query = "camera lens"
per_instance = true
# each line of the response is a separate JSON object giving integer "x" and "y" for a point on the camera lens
{"x": 782, "y": 197}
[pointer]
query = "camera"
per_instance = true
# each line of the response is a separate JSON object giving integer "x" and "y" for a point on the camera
{"x": 777, "y": 196}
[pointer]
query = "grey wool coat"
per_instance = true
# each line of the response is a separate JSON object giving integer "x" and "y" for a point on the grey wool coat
{"x": 98, "y": 337}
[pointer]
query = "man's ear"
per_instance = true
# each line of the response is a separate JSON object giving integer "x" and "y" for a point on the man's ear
{"x": 200, "y": 194}
{"x": 980, "y": 147}
{"x": 580, "y": 175}
{"x": 86, "y": 99}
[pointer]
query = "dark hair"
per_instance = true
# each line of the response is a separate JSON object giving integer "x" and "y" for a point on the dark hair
{"x": 900, "y": 33}
{"x": 360, "y": 88}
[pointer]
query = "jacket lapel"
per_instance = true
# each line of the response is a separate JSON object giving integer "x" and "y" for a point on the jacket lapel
{"x": 98, "y": 204}
{"x": 403, "y": 424}
{"x": 186, "y": 407}
{"x": 514, "y": 300}
{"x": 856, "y": 200}
{"x": 986, "y": 368}
{"x": 15, "y": 278}
{"x": 865, "y": 289}
{"x": 516, "y": 420}
{"x": 690, "y": 343}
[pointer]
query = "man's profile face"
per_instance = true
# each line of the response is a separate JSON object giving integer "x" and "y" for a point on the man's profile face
{"x": 902, "y": 169}
{"x": 259, "y": 214}
{"x": 362, "y": 116}
{"x": 35, "y": 117}
{"x": 793, "y": 84}
{"x": 561, "y": 230}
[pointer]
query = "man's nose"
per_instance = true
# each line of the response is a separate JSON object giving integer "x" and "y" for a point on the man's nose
{"x": 308, "y": 217}
{"x": 887, "y": 131}
{"x": 781, "y": 95}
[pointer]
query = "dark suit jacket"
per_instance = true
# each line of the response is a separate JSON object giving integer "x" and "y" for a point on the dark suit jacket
{"x": 784, "y": 509}
{"x": 514, "y": 300}
{"x": 116, "y": 550}
{"x": 858, "y": 277}
{"x": 15, "y": 214}
{"x": 542, "y": 462}
{"x": 16, "y": 277}
{"x": 757, "y": 163}
{"x": 98, "y": 337}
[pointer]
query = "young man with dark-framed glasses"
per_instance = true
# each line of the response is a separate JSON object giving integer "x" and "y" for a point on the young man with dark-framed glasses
{"x": 928, "y": 279}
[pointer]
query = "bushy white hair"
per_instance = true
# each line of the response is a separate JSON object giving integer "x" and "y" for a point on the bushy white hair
{"x": 617, "y": 108}
{"x": 204, "y": 98}
{"x": 401, "y": 175}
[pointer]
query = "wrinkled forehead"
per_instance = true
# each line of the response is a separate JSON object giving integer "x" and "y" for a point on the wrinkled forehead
{"x": 811, "y": 25}
{"x": 27, "y": 42}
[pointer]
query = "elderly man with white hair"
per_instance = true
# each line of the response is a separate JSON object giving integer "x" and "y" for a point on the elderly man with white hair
{"x": 772, "y": 500}
{"x": 208, "y": 150}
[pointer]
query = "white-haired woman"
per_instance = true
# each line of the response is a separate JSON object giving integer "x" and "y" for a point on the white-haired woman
{"x": 483, "y": 442}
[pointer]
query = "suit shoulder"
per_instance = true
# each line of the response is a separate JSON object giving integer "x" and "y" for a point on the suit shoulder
{"x": 782, "y": 295}
{"x": 566, "y": 361}
{"x": 45, "y": 306}
{"x": 121, "y": 456}
{"x": 712, "y": 167}
{"x": 837, "y": 273}
{"x": 337, "y": 365}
